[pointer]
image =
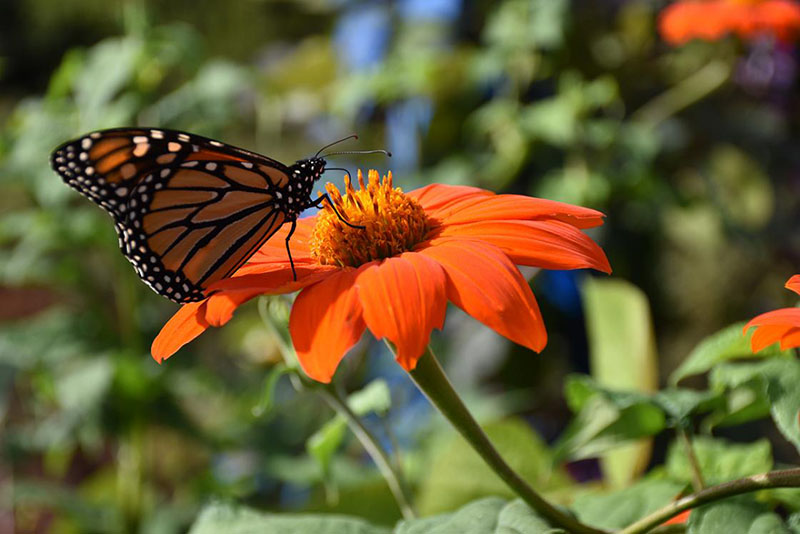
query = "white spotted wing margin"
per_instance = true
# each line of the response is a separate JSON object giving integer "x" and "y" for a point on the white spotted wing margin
{"x": 188, "y": 210}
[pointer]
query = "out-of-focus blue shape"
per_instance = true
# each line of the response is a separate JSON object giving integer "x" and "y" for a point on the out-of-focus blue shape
{"x": 362, "y": 36}
{"x": 430, "y": 9}
{"x": 411, "y": 411}
{"x": 404, "y": 122}
{"x": 561, "y": 289}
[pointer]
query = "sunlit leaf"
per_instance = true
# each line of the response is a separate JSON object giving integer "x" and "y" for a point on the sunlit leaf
{"x": 777, "y": 379}
{"x": 375, "y": 397}
{"x": 621, "y": 508}
{"x": 623, "y": 357}
{"x": 455, "y": 474}
{"x": 727, "y": 344}
{"x": 720, "y": 460}
{"x": 737, "y": 515}
{"x": 231, "y": 519}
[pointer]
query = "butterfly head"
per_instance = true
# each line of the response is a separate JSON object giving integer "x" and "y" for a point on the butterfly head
{"x": 308, "y": 171}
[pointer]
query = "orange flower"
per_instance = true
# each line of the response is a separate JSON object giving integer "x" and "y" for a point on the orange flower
{"x": 679, "y": 519}
{"x": 711, "y": 20}
{"x": 778, "y": 325}
{"x": 417, "y": 251}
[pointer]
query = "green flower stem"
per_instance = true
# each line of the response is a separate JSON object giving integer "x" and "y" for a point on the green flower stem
{"x": 788, "y": 478}
{"x": 697, "y": 474}
{"x": 334, "y": 399}
{"x": 692, "y": 89}
{"x": 392, "y": 476}
{"x": 431, "y": 380}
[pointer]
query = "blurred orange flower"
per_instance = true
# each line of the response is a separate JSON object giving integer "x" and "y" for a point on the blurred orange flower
{"x": 679, "y": 519}
{"x": 710, "y": 20}
{"x": 778, "y": 325}
{"x": 417, "y": 251}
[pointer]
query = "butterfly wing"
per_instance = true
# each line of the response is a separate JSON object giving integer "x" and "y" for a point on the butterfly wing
{"x": 188, "y": 210}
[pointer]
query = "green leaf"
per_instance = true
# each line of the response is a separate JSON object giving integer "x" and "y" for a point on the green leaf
{"x": 232, "y": 519}
{"x": 109, "y": 67}
{"x": 605, "y": 419}
{"x": 727, "y": 344}
{"x": 776, "y": 378}
{"x": 737, "y": 515}
{"x": 456, "y": 475}
{"x": 323, "y": 444}
{"x": 621, "y": 508}
{"x": 267, "y": 398}
{"x": 623, "y": 357}
{"x": 769, "y": 523}
{"x": 680, "y": 403}
{"x": 580, "y": 389}
{"x": 720, "y": 460}
{"x": 794, "y": 523}
{"x": 784, "y": 396}
{"x": 486, "y": 515}
{"x": 517, "y": 518}
{"x": 375, "y": 397}
{"x": 491, "y": 514}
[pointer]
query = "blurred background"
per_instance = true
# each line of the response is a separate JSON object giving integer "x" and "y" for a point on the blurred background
{"x": 691, "y": 152}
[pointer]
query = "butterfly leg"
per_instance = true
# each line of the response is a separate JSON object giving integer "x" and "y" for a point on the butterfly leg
{"x": 316, "y": 203}
{"x": 288, "y": 250}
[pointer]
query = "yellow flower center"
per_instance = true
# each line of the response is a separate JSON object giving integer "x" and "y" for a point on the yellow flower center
{"x": 393, "y": 223}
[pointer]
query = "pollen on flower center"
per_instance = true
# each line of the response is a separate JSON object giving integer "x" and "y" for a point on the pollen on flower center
{"x": 393, "y": 223}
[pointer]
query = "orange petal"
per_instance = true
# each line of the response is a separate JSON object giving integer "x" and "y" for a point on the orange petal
{"x": 783, "y": 316}
{"x": 404, "y": 300}
{"x": 325, "y": 323}
{"x": 435, "y": 197}
{"x": 794, "y": 284}
{"x": 455, "y": 204}
{"x": 187, "y": 323}
{"x": 791, "y": 339}
{"x": 517, "y": 207}
{"x": 546, "y": 244}
{"x": 230, "y": 293}
{"x": 766, "y": 335}
{"x": 273, "y": 279}
{"x": 482, "y": 281}
{"x": 221, "y": 306}
{"x": 275, "y": 247}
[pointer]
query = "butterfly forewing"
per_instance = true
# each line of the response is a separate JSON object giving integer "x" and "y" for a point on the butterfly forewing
{"x": 188, "y": 210}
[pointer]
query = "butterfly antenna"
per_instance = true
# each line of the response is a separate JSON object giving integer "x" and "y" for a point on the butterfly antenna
{"x": 342, "y": 140}
{"x": 378, "y": 151}
{"x": 339, "y": 169}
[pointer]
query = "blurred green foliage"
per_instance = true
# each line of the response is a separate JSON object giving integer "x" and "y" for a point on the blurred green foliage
{"x": 695, "y": 167}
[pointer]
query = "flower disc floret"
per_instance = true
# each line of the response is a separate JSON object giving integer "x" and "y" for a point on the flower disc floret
{"x": 391, "y": 223}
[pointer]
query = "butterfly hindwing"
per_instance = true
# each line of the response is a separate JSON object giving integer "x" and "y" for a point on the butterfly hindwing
{"x": 188, "y": 210}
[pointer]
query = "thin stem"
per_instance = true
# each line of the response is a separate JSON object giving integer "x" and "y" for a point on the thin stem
{"x": 700, "y": 84}
{"x": 431, "y": 380}
{"x": 697, "y": 474}
{"x": 397, "y": 460}
{"x": 370, "y": 444}
{"x": 788, "y": 478}
{"x": 331, "y": 396}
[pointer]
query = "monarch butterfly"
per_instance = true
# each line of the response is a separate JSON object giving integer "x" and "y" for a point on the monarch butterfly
{"x": 188, "y": 210}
